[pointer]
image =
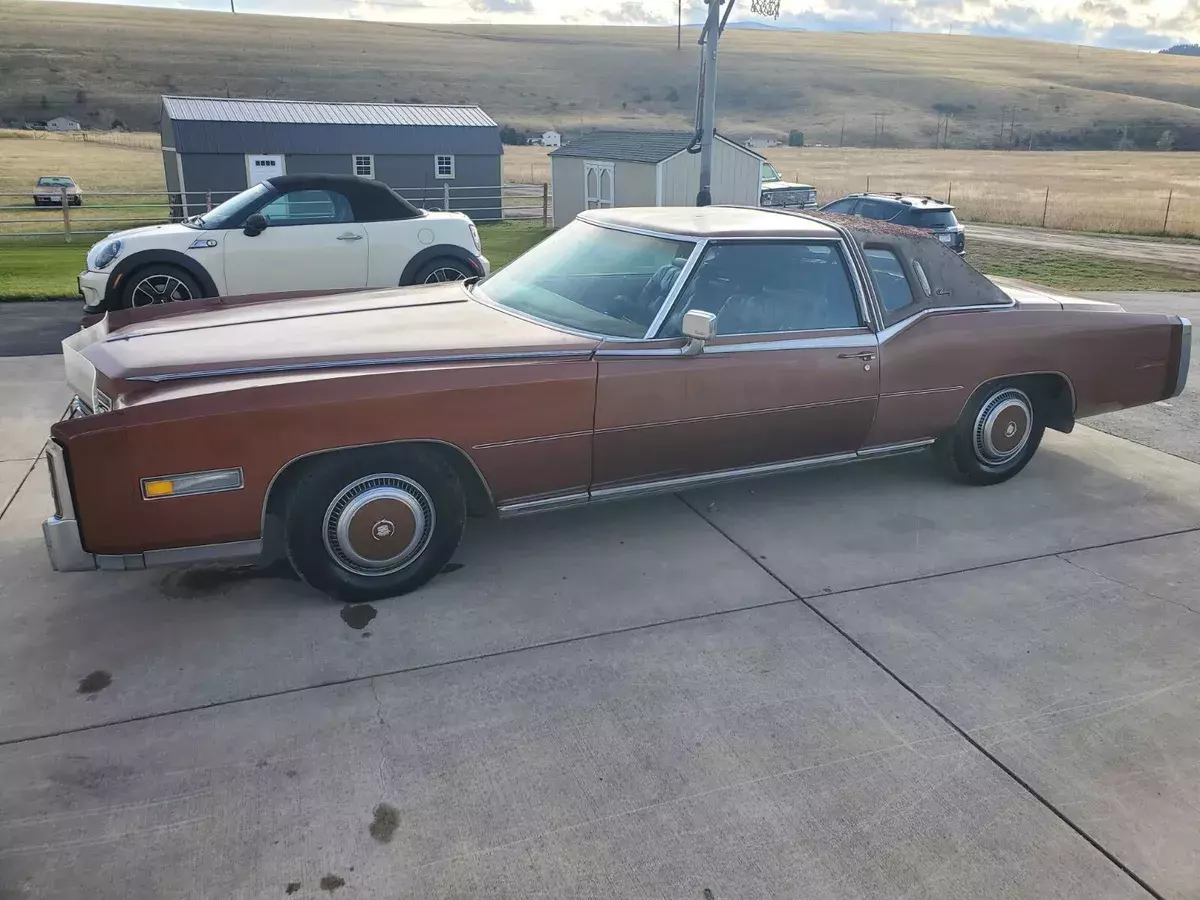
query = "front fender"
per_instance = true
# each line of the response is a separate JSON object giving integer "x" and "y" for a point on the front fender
{"x": 135, "y": 261}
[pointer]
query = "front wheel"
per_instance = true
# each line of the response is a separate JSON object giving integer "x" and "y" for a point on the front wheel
{"x": 366, "y": 525}
{"x": 158, "y": 284}
{"x": 996, "y": 436}
{"x": 441, "y": 270}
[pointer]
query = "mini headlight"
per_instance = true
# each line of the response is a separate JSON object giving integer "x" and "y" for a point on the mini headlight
{"x": 104, "y": 253}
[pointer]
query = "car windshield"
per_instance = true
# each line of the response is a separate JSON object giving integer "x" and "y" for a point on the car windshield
{"x": 770, "y": 173}
{"x": 591, "y": 279}
{"x": 55, "y": 181}
{"x": 232, "y": 209}
{"x": 932, "y": 218}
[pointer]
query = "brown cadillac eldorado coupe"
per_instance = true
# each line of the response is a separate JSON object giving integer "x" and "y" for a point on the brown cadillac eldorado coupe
{"x": 634, "y": 351}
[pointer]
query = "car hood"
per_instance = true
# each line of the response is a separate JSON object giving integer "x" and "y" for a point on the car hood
{"x": 426, "y": 324}
{"x": 166, "y": 230}
{"x": 786, "y": 186}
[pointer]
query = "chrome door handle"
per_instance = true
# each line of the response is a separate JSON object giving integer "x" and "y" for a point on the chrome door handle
{"x": 862, "y": 354}
{"x": 349, "y": 237}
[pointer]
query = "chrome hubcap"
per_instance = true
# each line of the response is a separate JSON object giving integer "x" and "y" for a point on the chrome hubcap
{"x": 378, "y": 525}
{"x": 445, "y": 273}
{"x": 1002, "y": 427}
{"x": 159, "y": 289}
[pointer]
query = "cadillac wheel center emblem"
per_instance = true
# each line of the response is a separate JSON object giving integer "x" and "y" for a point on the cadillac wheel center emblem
{"x": 382, "y": 530}
{"x": 1011, "y": 429}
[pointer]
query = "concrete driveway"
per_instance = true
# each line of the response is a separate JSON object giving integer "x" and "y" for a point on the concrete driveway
{"x": 868, "y": 682}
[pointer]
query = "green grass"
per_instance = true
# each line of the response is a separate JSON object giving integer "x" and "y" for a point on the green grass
{"x": 45, "y": 269}
{"x": 1076, "y": 272}
{"x": 40, "y": 271}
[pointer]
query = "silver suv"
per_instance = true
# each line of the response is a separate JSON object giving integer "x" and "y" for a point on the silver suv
{"x": 926, "y": 213}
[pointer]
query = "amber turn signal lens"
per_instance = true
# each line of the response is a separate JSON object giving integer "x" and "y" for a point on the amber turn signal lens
{"x": 193, "y": 483}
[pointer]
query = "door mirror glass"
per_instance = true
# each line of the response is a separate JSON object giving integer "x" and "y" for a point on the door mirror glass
{"x": 699, "y": 327}
{"x": 255, "y": 224}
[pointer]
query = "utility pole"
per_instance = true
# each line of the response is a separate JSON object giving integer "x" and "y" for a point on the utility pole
{"x": 708, "y": 93}
{"x": 842, "y": 137}
{"x": 231, "y": 9}
{"x": 678, "y": 27}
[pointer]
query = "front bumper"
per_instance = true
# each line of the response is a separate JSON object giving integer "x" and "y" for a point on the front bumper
{"x": 93, "y": 288}
{"x": 61, "y": 530}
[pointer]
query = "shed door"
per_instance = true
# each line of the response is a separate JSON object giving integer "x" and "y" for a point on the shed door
{"x": 259, "y": 168}
{"x": 598, "y": 184}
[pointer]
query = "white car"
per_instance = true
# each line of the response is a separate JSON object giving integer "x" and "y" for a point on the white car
{"x": 290, "y": 233}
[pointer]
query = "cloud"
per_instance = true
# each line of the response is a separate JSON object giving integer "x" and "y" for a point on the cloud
{"x": 632, "y": 12}
{"x": 501, "y": 6}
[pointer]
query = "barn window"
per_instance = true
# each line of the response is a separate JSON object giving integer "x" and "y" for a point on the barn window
{"x": 364, "y": 166}
{"x": 598, "y": 184}
{"x": 444, "y": 165}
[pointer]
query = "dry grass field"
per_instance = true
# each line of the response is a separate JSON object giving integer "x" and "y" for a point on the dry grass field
{"x": 1089, "y": 191}
{"x": 96, "y": 62}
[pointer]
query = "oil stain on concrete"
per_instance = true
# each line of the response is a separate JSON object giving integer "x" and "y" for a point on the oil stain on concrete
{"x": 358, "y": 615}
{"x": 205, "y": 581}
{"x": 332, "y": 882}
{"x": 94, "y": 682}
{"x": 383, "y": 827}
{"x": 292, "y": 887}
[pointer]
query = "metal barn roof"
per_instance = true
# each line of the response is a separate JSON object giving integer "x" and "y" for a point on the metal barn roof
{"x": 303, "y": 112}
{"x": 633, "y": 146}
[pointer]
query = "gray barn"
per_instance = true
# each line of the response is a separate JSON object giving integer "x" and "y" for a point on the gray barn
{"x": 224, "y": 146}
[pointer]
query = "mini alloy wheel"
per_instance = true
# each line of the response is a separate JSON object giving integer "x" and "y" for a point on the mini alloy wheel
{"x": 159, "y": 288}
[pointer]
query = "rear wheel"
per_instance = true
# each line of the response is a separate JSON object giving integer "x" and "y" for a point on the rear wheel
{"x": 158, "y": 284}
{"x": 443, "y": 269}
{"x": 366, "y": 525}
{"x": 996, "y": 436}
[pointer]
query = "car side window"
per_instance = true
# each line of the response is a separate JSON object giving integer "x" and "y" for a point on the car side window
{"x": 319, "y": 207}
{"x": 895, "y": 293}
{"x": 845, "y": 207}
{"x": 876, "y": 209}
{"x": 769, "y": 287}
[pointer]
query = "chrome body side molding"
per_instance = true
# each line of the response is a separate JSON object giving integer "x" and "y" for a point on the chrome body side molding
{"x": 707, "y": 479}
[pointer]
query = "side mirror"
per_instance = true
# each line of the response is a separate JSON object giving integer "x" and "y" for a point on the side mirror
{"x": 699, "y": 327}
{"x": 255, "y": 224}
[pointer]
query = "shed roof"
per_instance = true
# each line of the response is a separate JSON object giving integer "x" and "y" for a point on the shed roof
{"x": 633, "y": 146}
{"x": 303, "y": 112}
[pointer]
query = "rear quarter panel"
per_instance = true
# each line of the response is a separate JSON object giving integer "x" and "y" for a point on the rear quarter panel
{"x": 525, "y": 425}
{"x": 929, "y": 371}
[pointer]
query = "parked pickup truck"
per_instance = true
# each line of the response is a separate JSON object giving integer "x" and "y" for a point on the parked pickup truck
{"x": 780, "y": 194}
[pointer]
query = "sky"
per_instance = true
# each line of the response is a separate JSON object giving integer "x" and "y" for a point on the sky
{"x": 1125, "y": 24}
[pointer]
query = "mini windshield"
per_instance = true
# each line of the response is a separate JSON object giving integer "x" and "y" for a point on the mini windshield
{"x": 54, "y": 181}
{"x": 770, "y": 173}
{"x": 232, "y": 210}
{"x": 592, "y": 279}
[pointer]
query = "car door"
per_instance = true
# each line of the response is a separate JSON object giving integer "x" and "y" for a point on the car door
{"x": 311, "y": 241}
{"x": 791, "y": 374}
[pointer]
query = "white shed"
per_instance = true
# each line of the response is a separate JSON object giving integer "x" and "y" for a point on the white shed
{"x": 551, "y": 139}
{"x": 62, "y": 123}
{"x": 647, "y": 168}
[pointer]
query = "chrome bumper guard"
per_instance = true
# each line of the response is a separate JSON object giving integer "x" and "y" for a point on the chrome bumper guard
{"x": 61, "y": 530}
{"x": 1185, "y": 357}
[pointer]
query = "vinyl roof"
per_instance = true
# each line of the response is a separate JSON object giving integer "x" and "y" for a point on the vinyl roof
{"x": 220, "y": 109}
{"x": 632, "y": 146}
{"x": 712, "y": 221}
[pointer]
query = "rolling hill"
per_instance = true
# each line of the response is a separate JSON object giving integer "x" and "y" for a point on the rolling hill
{"x": 106, "y": 63}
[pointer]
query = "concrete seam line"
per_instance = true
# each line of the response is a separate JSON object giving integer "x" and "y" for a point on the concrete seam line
{"x": 24, "y": 478}
{"x": 1030, "y": 789}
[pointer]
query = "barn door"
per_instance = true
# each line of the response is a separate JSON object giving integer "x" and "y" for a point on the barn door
{"x": 598, "y": 184}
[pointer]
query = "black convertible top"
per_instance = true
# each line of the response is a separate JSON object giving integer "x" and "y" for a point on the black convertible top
{"x": 372, "y": 201}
